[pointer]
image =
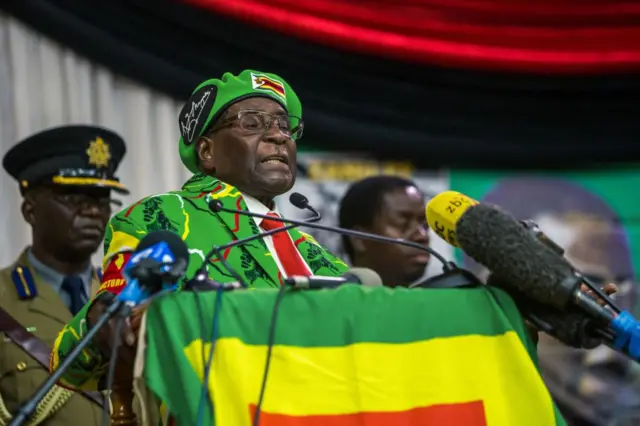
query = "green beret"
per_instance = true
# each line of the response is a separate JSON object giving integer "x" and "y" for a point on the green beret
{"x": 212, "y": 97}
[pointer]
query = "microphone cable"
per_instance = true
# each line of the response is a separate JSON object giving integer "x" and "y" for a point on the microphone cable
{"x": 121, "y": 318}
{"x": 271, "y": 337}
{"x": 297, "y": 200}
{"x": 270, "y": 343}
{"x": 215, "y": 327}
{"x": 301, "y": 202}
{"x": 111, "y": 371}
{"x": 217, "y": 206}
{"x": 115, "y": 347}
{"x": 535, "y": 230}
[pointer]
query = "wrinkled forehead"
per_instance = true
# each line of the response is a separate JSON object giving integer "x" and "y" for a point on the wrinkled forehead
{"x": 404, "y": 199}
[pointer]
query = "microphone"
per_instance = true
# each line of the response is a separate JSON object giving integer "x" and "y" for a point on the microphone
{"x": 541, "y": 236}
{"x": 216, "y": 206}
{"x": 201, "y": 278}
{"x": 362, "y": 276}
{"x": 573, "y": 328}
{"x": 157, "y": 264}
{"x": 202, "y": 282}
{"x": 302, "y": 202}
{"x": 525, "y": 266}
{"x": 498, "y": 241}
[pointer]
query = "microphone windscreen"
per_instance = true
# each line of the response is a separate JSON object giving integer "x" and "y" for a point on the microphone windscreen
{"x": 174, "y": 242}
{"x": 498, "y": 241}
{"x": 215, "y": 205}
{"x": 570, "y": 327}
{"x": 365, "y": 276}
{"x": 298, "y": 200}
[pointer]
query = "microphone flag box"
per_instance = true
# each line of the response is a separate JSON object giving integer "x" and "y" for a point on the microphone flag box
{"x": 159, "y": 253}
{"x": 158, "y": 258}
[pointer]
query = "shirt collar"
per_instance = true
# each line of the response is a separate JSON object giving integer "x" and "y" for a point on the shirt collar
{"x": 53, "y": 277}
{"x": 255, "y": 206}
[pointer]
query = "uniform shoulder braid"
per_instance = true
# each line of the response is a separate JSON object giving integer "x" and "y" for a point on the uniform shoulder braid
{"x": 24, "y": 283}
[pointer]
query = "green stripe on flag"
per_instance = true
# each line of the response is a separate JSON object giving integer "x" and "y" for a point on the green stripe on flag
{"x": 374, "y": 315}
{"x": 339, "y": 321}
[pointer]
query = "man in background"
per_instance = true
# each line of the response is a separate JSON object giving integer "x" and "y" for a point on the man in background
{"x": 390, "y": 206}
{"x": 591, "y": 387}
{"x": 66, "y": 176}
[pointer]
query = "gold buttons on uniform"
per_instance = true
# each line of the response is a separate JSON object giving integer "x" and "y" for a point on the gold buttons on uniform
{"x": 21, "y": 366}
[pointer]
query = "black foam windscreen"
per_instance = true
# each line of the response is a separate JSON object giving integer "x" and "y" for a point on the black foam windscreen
{"x": 173, "y": 240}
{"x": 298, "y": 200}
{"x": 571, "y": 327}
{"x": 498, "y": 241}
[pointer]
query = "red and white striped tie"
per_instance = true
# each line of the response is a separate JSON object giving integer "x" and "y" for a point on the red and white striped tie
{"x": 287, "y": 253}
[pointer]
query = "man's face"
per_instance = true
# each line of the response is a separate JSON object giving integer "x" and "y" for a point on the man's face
{"x": 69, "y": 222}
{"x": 402, "y": 215}
{"x": 584, "y": 240}
{"x": 257, "y": 160}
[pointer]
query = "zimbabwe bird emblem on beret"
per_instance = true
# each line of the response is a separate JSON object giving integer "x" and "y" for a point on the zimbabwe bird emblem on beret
{"x": 265, "y": 83}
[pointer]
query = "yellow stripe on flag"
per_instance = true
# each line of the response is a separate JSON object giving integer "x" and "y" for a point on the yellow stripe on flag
{"x": 378, "y": 378}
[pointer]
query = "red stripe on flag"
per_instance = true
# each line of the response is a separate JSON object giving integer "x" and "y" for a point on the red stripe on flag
{"x": 465, "y": 414}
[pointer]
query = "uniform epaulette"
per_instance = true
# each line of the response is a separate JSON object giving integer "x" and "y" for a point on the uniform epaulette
{"x": 24, "y": 282}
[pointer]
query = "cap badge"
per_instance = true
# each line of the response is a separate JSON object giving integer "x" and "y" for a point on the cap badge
{"x": 99, "y": 153}
{"x": 270, "y": 85}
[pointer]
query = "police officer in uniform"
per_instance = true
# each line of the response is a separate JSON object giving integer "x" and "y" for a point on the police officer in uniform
{"x": 66, "y": 178}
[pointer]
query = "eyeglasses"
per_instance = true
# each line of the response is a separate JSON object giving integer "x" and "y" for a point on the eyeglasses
{"x": 84, "y": 202}
{"x": 254, "y": 122}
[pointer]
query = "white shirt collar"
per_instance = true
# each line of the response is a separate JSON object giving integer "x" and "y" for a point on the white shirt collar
{"x": 255, "y": 206}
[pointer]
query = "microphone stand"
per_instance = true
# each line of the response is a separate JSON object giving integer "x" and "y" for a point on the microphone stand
{"x": 216, "y": 206}
{"x": 117, "y": 307}
{"x": 28, "y": 408}
{"x": 454, "y": 278}
{"x": 298, "y": 200}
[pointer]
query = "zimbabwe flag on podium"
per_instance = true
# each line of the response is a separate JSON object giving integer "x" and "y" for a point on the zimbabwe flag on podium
{"x": 354, "y": 356}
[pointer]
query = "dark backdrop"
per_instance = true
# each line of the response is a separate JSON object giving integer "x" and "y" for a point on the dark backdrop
{"x": 389, "y": 105}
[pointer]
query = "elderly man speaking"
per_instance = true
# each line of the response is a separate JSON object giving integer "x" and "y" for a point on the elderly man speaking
{"x": 239, "y": 139}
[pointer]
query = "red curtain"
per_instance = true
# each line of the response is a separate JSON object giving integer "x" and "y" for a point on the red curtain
{"x": 545, "y": 36}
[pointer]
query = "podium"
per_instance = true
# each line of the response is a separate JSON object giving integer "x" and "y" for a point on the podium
{"x": 348, "y": 356}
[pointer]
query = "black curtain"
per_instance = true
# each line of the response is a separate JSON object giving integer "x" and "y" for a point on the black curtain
{"x": 434, "y": 116}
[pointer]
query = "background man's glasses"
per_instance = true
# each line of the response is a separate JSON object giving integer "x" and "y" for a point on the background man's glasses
{"x": 84, "y": 202}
